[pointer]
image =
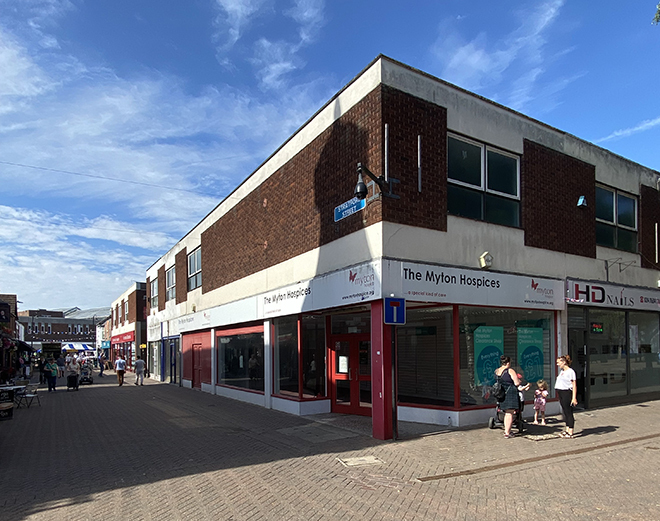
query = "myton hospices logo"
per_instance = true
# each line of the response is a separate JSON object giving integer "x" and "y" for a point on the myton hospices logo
{"x": 360, "y": 280}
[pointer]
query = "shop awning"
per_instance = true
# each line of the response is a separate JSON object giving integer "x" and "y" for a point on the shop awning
{"x": 77, "y": 346}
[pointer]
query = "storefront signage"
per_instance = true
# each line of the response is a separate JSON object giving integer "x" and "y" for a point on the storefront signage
{"x": 349, "y": 286}
{"x": 126, "y": 337}
{"x": 530, "y": 352}
{"x": 611, "y": 296}
{"x": 488, "y": 347}
{"x": 426, "y": 283}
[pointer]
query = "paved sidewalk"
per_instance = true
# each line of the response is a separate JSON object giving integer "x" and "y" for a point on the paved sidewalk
{"x": 162, "y": 452}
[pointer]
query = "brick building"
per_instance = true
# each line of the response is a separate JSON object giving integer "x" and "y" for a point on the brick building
{"x": 502, "y": 234}
{"x": 48, "y": 331}
{"x": 128, "y": 326}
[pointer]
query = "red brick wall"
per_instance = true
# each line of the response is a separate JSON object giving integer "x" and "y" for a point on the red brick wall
{"x": 181, "y": 269}
{"x": 649, "y": 215}
{"x": 551, "y": 183}
{"x": 161, "y": 288}
{"x": 407, "y": 117}
{"x": 292, "y": 212}
{"x": 148, "y": 293}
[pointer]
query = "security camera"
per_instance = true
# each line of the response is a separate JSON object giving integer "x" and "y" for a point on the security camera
{"x": 361, "y": 191}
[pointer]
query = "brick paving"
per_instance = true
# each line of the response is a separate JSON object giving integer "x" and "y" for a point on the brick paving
{"x": 162, "y": 452}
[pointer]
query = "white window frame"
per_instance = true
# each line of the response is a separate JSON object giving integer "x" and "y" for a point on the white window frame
{"x": 196, "y": 265}
{"x": 126, "y": 310}
{"x": 170, "y": 283}
{"x": 154, "y": 293}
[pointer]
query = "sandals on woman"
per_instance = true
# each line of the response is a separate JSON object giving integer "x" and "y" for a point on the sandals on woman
{"x": 566, "y": 434}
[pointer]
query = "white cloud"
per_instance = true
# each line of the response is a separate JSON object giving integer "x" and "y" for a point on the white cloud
{"x": 626, "y": 132}
{"x": 273, "y": 61}
{"x": 234, "y": 16}
{"x": 20, "y": 77}
{"x": 481, "y": 64}
{"x": 309, "y": 15}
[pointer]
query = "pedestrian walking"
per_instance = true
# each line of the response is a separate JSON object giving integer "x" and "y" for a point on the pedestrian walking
{"x": 41, "y": 365}
{"x": 61, "y": 365}
{"x": 120, "y": 368}
{"x": 51, "y": 374}
{"x": 139, "y": 371}
{"x": 567, "y": 393}
{"x": 101, "y": 360}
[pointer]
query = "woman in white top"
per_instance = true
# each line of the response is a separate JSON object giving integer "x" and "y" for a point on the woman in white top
{"x": 567, "y": 393}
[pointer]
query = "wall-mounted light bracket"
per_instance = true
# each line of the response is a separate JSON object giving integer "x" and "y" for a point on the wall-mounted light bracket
{"x": 384, "y": 185}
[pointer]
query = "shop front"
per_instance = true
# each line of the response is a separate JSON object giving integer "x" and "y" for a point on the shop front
{"x": 614, "y": 341}
{"x": 459, "y": 322}
{"x": 303, "y": 352}
{"x": 124, "y": 345}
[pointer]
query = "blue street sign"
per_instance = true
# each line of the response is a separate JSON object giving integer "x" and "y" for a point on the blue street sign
{"x": 349, "y": 208}
{"x": 395, "y": 311}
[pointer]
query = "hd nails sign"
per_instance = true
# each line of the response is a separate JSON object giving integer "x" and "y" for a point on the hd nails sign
{"x": 611, "y": 296}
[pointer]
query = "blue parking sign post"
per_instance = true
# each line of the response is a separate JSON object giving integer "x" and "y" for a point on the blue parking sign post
{"x": 395, "y": 311}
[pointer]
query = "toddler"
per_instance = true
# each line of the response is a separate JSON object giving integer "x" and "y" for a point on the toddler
{"x": 540, "y": 397}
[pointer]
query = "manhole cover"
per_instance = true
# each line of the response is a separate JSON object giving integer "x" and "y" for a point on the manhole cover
{"x": 360, "y": 461}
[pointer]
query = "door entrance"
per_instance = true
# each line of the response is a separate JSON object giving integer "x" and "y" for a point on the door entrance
{"x": 350, "y": 372}
{"x": 577, "y": 341}
{"x": 197, "y": 366}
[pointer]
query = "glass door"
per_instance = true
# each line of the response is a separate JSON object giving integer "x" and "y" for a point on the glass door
{"x": 351, "y": 374}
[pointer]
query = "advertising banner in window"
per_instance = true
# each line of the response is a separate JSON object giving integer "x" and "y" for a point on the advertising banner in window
{"x": 488, "y": 347}
{"x": 611, "y": 296}
{"x": 427, "y": 283}
{"x": 530, "y": 352}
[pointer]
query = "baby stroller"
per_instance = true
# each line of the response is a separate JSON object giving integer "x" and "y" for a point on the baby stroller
{"x": 497, "y": 420}
{"x": 86, "y": 374}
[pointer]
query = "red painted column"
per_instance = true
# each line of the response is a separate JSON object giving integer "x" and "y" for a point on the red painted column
{"x": 381, "y": 374}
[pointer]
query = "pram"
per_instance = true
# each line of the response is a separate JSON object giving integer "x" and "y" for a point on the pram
{"x": 497, "y": 420}
{"x": 86, "y": 374}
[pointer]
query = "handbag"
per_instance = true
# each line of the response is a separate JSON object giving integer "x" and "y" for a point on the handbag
{"x": 498, "y": 391}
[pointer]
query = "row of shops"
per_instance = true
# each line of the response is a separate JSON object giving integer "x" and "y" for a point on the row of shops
{"x": 322, "y": 345}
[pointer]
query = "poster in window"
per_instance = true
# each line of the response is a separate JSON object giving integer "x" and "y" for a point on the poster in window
{"x": 488, "y": 347}
{"x": 530, "y": 352}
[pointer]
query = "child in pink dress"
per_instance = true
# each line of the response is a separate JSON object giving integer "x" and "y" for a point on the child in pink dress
{"x": 540, "y": 397}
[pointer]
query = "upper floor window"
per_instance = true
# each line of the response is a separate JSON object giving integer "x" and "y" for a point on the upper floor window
{"x": 170, "y": 283}
{"x": 154, "y": 293}
{"x": 50, "y": 329}
{"x": 69, "y": 328}
{"x": 484, "y": 183}
{"x": 195, "y": 269}
{"x": 126, "y": 310}
{"x": 616, "y": 219}
{"x": 43, "y": 328}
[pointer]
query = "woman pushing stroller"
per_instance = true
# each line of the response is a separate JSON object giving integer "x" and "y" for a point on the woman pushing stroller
{"x": 511, "y": 383}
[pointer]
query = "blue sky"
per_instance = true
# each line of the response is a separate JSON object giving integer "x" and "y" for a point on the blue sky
{"x": 123, "y": 122}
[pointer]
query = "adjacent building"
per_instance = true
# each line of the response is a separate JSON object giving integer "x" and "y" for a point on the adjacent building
{"x": 48, "y": 331}
{"x": 482, "y": 232}
{"x": 128, "y": 326}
